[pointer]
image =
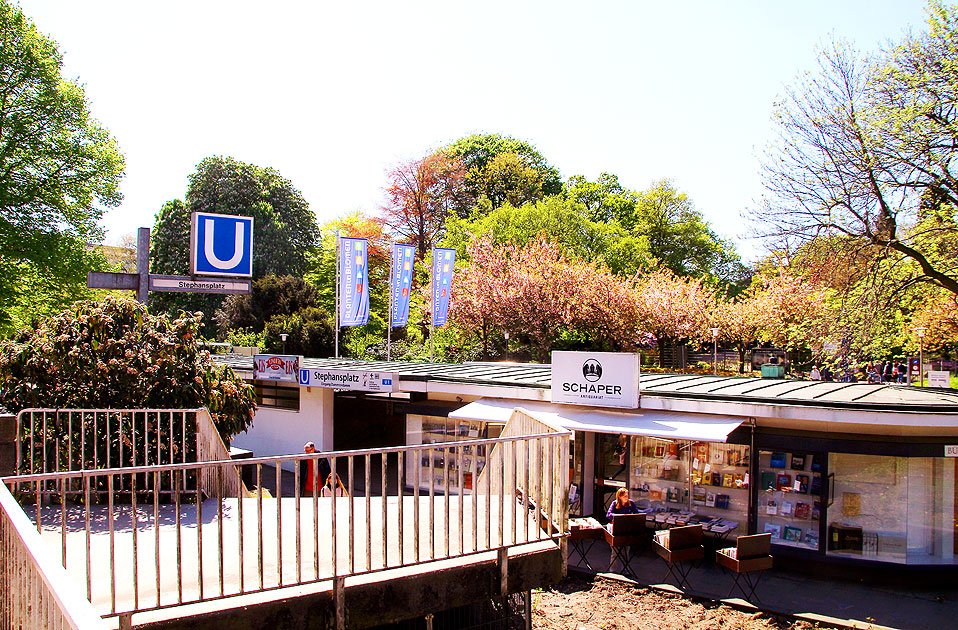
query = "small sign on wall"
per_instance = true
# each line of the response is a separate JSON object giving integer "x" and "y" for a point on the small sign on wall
{"x": 951, "y": 450}
{"x": 276, "y": 367}
{"x": 939, "y": 378}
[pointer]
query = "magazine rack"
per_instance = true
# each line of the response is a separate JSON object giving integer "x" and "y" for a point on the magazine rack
{"x": 679, "y": 547}
{"x": 751, "y": 555}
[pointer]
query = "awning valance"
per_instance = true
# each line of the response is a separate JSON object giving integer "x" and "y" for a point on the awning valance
{"x": 651, "y": 422}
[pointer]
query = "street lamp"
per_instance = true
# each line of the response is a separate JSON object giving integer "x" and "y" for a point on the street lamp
{"x": 506, "y": 335}
{"x": 921, "y": 355}
{"x": 715, "y": 332}
{"x": 283, "y": 336}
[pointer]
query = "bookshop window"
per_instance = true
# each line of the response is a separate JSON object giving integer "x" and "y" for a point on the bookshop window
{"x": 720, "y": 483}
{"x": 276, "y": 395}
{"x": 659, "y": 475}
{"x": 893, "y": 509}
{"x": 789, "y": 498}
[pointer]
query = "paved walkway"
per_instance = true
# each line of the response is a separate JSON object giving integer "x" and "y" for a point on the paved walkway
{"x": 858, "y": 605}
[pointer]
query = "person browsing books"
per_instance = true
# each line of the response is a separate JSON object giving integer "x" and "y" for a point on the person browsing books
{"x": 622, "y": 504}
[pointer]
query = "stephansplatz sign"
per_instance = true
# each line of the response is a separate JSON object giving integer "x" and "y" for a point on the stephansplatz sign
{"x": 601, "y": 379}
{"x": 355, "y": 380}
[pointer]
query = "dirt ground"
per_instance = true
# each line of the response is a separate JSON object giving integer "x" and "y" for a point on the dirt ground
{"x": 604, "y": 604}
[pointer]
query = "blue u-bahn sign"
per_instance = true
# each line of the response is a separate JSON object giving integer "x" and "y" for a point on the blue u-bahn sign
{"x": 221, "y": 245}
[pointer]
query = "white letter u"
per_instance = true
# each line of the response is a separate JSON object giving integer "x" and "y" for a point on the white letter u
{"x": 240, "y": 231}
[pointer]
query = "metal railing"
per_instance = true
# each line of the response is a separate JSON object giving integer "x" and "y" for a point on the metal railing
{"x": 35, "y": 590}
{"x": 58, "y": 440}
{"x": 149, "y": 537}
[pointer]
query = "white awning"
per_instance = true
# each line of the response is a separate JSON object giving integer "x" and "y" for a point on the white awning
{"x": 673, "y": 425}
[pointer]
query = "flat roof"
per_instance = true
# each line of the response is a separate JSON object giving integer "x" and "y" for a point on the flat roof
{"x": 823, "y": 394}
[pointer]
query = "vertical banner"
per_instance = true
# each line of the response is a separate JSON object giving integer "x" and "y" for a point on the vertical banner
{"x": 442, "y": 268}
{"x": 354, "y": 282}
{"x": 403, "y": 257}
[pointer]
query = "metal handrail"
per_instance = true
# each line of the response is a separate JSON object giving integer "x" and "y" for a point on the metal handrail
{"x": 245, "y": 546}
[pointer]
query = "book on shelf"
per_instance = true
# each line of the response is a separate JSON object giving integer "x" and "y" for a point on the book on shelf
{"x": 793, "y": 534}
{"x": 802, "y": 482}
{"x": 768, "y": 480}
{"x": 798, "y": 462}
{"x": 802, "y": 510}
{"x": 816, "y": 512}
{"x": 816, "y": 463}
{"x": 787, "y": 508}
{"x": 778, "y": 460}
{"x": 698, "y": 496}
{"x": 774, "y": 529}
{"x": 734, "y": 456}
{"x": 721, "y": 501}
{"x": 771, "y": 507}
{"x": 739, "y": 481}
{"x": 816, "y": 487}
{"x": 728, "y": 480}
{"x": 811, "y": 538}
{"x": 710, "y": 499}
{"x": 718, "y": 456}
{"x": 717, "y": 479}
{"x": 783, "y": 481}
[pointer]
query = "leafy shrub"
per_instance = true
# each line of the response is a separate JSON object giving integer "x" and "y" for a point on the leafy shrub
{"x": 114, "y": 354}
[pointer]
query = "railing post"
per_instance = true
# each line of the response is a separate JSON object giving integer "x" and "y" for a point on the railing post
{"x": 339, "y": 601}
{"x": 503, "y": 562}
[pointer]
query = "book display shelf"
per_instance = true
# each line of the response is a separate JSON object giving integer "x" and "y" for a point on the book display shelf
{"x": 691, "y": 482}
{"x": 438, "y": 430}
{"x": 789, "y": 504}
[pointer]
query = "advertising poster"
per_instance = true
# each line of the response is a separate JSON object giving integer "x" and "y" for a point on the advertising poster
{"x": 442, "y": 269}
{"x": 403, "y": 263}
{"x": 353, "y": 282}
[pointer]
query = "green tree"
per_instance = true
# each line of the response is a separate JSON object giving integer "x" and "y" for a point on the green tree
{"x": 270, "y": 296}
{"x": 501, "y": 168}
{"x": 864, "y": 145}
{"x": 605, "y": 199}
{"x": 113, "y": 354}
{"x": 309, "y": 333}
{"x": 59, "y": 169}
{"x": 564, "y": 223}
{"x": 680, "y": 238}
{"x": 284, "y": 230}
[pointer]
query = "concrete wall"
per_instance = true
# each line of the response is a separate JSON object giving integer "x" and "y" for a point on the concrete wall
{"x": 372, "y": 603}
{"x": 283, "y": 431}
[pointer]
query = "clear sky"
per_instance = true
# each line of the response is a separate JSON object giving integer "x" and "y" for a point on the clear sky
{"x": 333, "y": 94}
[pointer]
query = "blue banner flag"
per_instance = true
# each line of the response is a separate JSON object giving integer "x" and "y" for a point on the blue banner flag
{"x": 403, "y": 263}
{"x": 353, "y": 282}
{"x": 442, "y": 267}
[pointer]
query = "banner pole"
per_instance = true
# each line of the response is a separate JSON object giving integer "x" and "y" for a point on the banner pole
{"x": 336, "y": 319}
{"x": 389, "y": 318}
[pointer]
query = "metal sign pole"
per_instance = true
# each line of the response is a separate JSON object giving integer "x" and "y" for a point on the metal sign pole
{"x": 336, "y": 319}
{"x": 389, "y": 326}
{"x": 143, "y": 264}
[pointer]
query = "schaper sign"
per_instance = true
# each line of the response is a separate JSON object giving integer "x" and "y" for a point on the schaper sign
{"x": 600, "y": 379}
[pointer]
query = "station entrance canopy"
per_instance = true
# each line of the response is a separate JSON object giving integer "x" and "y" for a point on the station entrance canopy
{"x": 649, "y": 422}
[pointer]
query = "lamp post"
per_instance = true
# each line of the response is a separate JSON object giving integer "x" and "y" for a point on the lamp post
{"x": 715, "y": 332}
{"x": 921, "y": 355}
{"x": 506, "y": 335}
{"x": 283, "y": 336}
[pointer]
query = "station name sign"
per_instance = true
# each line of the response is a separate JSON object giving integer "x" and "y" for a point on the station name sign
{"x": 276, "y": 367}
{"x": 600, "y": 379}
{"x": 354, "y": 380}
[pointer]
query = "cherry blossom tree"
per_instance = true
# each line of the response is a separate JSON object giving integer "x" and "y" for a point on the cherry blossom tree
{"x": 672, "y": 308}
